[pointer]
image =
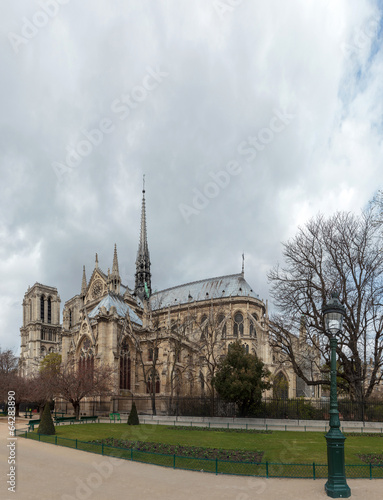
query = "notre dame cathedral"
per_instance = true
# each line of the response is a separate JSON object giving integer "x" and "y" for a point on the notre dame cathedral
{"x": 168, "y": 342}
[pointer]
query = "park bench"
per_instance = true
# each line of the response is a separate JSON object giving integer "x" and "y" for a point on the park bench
{"x": 113, "y": 417}
{"x": 93, "y": 418}
{"x": 61, "y": 420}
{"x": 32, "y": 423}
{"x": 56, "y": 414}
{"x": 28, "y": 414}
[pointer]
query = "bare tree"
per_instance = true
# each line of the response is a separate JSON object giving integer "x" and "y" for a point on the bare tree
{"x": 210, "y": 345}
{"x": 21, "y": 387}
{"x": 180, "y": 357}
{"x": 8, "y": 362}
{"x": 10, "y": 380}
{"x": 73, "y": 383}
{"x": 147, "y": 345}
{"x": 43, "y": 384}
{"x": 41, "y": 389}
{"x": 376, "y": 207}
{"x": 341, "y": 253}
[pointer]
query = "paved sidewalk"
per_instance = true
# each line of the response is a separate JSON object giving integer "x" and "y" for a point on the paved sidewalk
{"x": 261, "y": 423}
{"x": 47, "y": 472}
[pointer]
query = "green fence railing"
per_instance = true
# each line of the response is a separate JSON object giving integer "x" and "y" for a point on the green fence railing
{"x": 214, "y": 466}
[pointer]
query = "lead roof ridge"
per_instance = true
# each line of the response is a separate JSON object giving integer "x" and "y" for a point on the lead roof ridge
{"x": 239, "y": 275}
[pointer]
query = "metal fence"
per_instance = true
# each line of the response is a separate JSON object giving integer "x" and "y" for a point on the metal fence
{"x": 215, "y": 466}
{"x": 295, "y": 409}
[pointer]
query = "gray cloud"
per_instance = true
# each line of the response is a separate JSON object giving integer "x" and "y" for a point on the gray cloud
{"x": 225, "y": 77}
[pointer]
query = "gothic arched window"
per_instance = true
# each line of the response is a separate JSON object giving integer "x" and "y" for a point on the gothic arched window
{"x": 125, "y": 366}
{"x": 177, "y": 382}
{"x": 252, "y": 330}
{"x": 42, "y": 308}
{"x": 238, "y": 325}
{"x": 204, "y": 329}
{"x": 202, "y": 382}
{"x": 152, "y": 352}
{"x": 49, "y": 310}
{"x": 222, "y": 325}
{"x": 189, "y": 378}
{"x": 153, "y": 380}
{"x": 86, "y": 361}
{"x": 280, "y": 386}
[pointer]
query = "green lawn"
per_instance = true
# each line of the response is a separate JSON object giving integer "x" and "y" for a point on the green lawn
{"x": 285, "y": 447}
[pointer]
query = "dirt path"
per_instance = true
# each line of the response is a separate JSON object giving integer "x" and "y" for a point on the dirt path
{"x": 47, "y": 472}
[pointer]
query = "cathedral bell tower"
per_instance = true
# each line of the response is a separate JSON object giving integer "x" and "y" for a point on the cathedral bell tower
{"x": 41, "y": 330}
{"x": 143, "y": 287}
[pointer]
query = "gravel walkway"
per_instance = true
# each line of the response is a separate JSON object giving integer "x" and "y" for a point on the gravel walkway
{"x": 47, "y": 472}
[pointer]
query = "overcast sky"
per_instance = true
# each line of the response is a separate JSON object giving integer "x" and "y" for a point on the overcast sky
{"x": 246, "y": 117}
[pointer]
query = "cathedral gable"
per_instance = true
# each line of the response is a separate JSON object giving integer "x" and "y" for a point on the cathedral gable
{"x": 97, "y": 286}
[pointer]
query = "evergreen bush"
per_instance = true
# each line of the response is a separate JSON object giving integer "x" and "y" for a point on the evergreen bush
{"x": 133, "y": 416}
{"x": 46, "y": 424}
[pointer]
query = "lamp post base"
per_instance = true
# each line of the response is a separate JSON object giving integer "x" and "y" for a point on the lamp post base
{"x": 335, "y": 490}
{"x": 336, "y": 486}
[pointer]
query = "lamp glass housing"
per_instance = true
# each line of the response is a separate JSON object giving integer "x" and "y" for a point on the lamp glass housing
{"x": 333, "y": 321}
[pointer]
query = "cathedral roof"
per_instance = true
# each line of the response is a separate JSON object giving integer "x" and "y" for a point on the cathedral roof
{"x": 233, "y": 285}
{"x": 117, "y": 301}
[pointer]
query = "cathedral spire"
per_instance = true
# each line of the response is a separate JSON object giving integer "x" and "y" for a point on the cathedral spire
{"x": 114, "y": 279}
{"x": 115, "y": 262}
{"x": 143, "y": 246}
{"x": 96, "y": 262}
{"x": 143, "y": 277}
{"x": 83, "y": 283}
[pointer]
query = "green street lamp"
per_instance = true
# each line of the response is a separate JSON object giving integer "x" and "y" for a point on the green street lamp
{"x": 336, "y": 486}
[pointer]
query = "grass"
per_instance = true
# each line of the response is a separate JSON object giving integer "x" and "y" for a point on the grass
{"x": 279, "y": 446}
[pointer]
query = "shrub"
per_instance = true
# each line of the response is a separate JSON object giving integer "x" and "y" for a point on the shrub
{"x": 133, "y": 416}
{"x": 46, "y": 424}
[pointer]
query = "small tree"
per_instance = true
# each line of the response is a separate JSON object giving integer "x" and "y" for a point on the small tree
{"x": 241, "y": 378}
{"x": 46, "y": 424}
{"x": 133, "y": 416}
{"x": 50, "y": 364}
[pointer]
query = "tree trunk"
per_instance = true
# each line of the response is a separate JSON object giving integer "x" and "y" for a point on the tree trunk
{"x": 153, "y": 395}
{"x": 76, "y": 407}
